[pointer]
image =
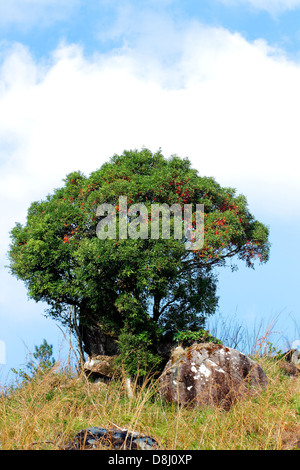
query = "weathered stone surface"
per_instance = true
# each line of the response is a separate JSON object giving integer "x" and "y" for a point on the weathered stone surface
{"x": 96, "y": 437}
{"x": 290, "y": 362}
{"x": 289, "y": 368}
{"x": 100, "y": 367}
{"x": 293, "y": 356}
{"x": 296, "y": 357}
{"x": 210, "y": 374}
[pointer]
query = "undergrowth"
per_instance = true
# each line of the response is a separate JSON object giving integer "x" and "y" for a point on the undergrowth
{"x": 47, "y": 411}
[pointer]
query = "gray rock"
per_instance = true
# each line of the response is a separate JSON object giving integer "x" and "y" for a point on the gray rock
{"x": 290, "y": 362}
{"x": 210, "y": 375}
{"x": 296, "y": 357}
{"x": 96, "y": 437}
{"x": 100, "y": 367}
{"x": 289, "y": 368}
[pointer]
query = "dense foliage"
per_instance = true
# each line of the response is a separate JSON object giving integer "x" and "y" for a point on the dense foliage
{"x": 141, "y": 290}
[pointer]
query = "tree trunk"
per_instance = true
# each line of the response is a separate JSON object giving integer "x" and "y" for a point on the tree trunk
{"x": 74, "y": 322}
{"x": 97, "y": 343}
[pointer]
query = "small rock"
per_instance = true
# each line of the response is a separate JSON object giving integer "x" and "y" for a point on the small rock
{"x": 289, "y": 368}
{"x": 292, "y": 356}
{"x": 100, "y": 367}
{"x": 96, "y": 437}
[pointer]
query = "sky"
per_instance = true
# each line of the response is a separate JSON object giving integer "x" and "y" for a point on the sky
{"x": 216, "y": 81}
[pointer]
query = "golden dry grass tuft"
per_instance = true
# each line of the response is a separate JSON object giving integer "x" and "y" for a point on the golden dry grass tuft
{"x": 48, "y": 411}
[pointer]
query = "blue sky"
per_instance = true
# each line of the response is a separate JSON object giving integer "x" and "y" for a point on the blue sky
{"x": 216, "y": 81}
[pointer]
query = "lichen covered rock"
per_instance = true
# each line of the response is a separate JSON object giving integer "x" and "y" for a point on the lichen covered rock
{"x": 101, "y": 367}
{"x": 210, "y": 375}
{"x": 100, "y": 438}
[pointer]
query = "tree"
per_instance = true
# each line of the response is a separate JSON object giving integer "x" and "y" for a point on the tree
{"x": 41, "y": 363}
{"x": 138, "y": 291}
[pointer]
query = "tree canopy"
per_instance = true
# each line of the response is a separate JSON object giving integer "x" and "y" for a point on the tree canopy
{"x": 139, "y": 291}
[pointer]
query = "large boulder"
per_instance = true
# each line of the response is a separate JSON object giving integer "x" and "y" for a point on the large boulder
{"x": 210, "y": 374}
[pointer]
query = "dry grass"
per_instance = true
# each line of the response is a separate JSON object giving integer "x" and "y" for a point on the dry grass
{"x": 47, "y": 412}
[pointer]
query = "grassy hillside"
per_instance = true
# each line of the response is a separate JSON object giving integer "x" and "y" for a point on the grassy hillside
{"x": 47, "y": 412}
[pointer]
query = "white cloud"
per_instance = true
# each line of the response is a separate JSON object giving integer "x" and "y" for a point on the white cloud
{"x": 29, "y": 12}
{"x": 271, "y": 6}
{"x": 230, "y": 105}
